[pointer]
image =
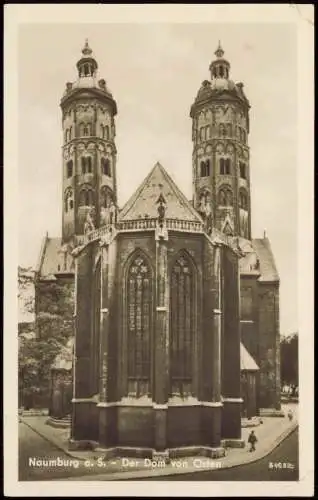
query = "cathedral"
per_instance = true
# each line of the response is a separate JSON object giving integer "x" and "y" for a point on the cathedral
{"x": 176, "y": 306}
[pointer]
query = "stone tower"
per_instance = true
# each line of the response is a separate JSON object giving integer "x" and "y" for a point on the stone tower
{"x": 89, "y": 151}
{"x": 221, "y": 168}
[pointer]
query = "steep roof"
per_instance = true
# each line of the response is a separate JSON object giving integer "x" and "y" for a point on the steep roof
{"x": 247, "y": 362}
{"x": 267, "y": 263}
{"x": 52, "y": 259}
{"x": 143, "y": 203}
{"x": 258, "y": 260}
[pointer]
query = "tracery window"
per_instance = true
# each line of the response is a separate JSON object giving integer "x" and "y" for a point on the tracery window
{"x": 181, "y": 326}
{"x": 105, "y": 196}
{"x": 139, "y": 324}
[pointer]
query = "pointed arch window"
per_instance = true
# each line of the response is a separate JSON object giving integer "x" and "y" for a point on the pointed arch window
{"x": 225, "y": 197}
{"x": 243, "y": 203}
{"x": 68, "y": 200}
{"x": 182, "y": 316}
{"x": 106, "y": 196}
{"x": 139, "y": 325}
{"x": 225, "y": 166}
{"x": 86, "y": 197}
{"x": 69, "y": 168}
{"x": 242, "y": 170}
{"x": 105, "y": 167}
{"x": 205, "y": 168}
{"x": 86, "y": 162}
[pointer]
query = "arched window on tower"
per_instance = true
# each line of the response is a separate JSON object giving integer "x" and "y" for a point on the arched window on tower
{"x": 225, "y": 197}
{"x": 86, "y": 197}
{"x": 69, "y": 168}
{"x": 222, "y": 130}
{"x": 182, "y": 328}
{"x": 221, "y": 71}
{"x": 105, "y": 167}
{"x": 107, "y": 132}
{"x": 243, "y": 203}
{"x": 227, "y": 166}
{"x": 139, "y": 325}
{"x": 242, "y": 170}
{"x": 86, "y": 163}
{"x": 66, "y": 135}
{"x": 68, "y": 200}
{"x": 70, "y": 134}
{"x": 105, "y": 196}
{"x": 207, "y": 132}
{"x": 205, "y": 168}
{"x": 229, "y": 129}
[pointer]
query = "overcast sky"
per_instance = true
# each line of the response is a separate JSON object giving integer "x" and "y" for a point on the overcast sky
{"x": 154, "y": 73}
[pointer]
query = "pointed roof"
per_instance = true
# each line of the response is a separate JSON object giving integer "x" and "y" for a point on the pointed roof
{"x": 143, "y": 203}
{"x": 259, "y": 259}
{"x": 247, "y": 362}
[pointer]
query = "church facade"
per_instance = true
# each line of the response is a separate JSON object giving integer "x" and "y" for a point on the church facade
{"x": 168, "y": 292}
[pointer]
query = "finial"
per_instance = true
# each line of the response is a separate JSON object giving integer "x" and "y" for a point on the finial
{"x": 219, "y": 51}
{"x": 86, "y": 50}
{"x": 265, "y": 235}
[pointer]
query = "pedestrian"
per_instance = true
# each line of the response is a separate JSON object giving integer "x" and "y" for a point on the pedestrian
{"x": 252, "y": 439}
{"x": 290, "y": 415}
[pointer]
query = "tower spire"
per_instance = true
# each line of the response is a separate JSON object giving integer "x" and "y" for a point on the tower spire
{"x": 86, "y": 51}
{"x": 219, "y": 51}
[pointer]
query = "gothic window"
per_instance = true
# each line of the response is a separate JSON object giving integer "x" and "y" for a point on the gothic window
{"x": 222, "y": 130}
{"x": 202, "y": 134}
{"x": 70, "y": 133}
{"x": 229, "y": 129}
{"x": 221, "y": 71}
{"x": 139, "y": 321}
{"x": 182, "y": 316}
{"x": 225, "y": 166}
{"x": 107, "y": 132}
{"x": 243, "y": 136}
{"x": 86, "y": 197}
{"x": 86, "y": 162}
{"x": 243, "y": 199}
{"x": 242, "y": 170}
{"x": 105, "y": 166}
{"x": 69, "y": 168}
{"x": 106, "y": 196}
{"x": 225, "y": 197}
{"x": 207, "y": 132}
{"x": 66, "y": 135}
{"x": 68, "y": 200}
{"x": 102, "y": 130}
{"x": 214, "y": 72}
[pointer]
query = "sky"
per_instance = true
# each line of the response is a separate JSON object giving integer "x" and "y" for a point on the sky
{"x": 154, "y": 72}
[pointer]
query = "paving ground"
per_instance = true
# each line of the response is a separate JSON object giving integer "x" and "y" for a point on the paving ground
{"x": 39, "y": 443}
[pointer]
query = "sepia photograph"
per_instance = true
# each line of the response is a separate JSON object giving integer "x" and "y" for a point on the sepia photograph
{"x": 159, "y": 331}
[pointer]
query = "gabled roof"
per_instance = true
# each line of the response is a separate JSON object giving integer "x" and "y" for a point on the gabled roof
{"x": 52, "y": 259}
{"x": 143, "y": 203}
{"x": 247, "y": 362}
{"x": 267, "y": 262}
{"x": 258, "y": 260}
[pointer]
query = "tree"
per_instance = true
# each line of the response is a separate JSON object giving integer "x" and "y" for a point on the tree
{"x": 54, "y": 326}
{"x": 289, "y": 360}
